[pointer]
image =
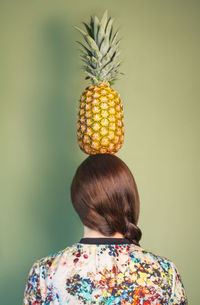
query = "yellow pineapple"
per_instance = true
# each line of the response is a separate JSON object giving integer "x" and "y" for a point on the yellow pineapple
{"x": 100, "y": 126}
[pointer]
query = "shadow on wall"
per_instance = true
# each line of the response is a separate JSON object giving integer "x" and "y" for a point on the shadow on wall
{"x": 52, "y": 123}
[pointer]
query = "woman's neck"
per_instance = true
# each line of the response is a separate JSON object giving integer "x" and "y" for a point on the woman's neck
{"x": 92, "y": 233}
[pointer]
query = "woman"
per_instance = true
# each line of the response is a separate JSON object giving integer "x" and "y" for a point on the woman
{"x": 107, "y": 265}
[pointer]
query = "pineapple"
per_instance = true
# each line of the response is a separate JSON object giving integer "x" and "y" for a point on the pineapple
{"x": 100, "y": 126}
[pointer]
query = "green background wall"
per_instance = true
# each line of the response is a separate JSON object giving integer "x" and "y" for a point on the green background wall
{"x": 41, "y": 83}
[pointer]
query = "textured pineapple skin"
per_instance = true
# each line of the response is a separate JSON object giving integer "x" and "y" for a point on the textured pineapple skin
{"x": 100, "y": 125}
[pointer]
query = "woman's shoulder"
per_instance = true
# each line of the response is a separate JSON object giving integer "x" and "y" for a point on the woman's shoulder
{"x": 50, "y": 259}
{"x": 151, "y": 257}
{"x": 41, "y": 268}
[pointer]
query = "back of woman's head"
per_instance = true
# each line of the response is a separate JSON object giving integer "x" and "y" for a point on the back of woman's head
{"x": 105, "y": 196}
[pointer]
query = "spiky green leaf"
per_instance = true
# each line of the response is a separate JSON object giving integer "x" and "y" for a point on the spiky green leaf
{"x": 104, "y": 20}
{"x": 85, "y": 48}
{"x": 105, "y": 45}
{"x": 96, "y": 25}
{"x": 88, "y": 29}
{"x": 108, "y": 26}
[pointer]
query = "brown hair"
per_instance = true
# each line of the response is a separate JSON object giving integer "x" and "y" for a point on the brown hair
{"x": 105, "y": 196}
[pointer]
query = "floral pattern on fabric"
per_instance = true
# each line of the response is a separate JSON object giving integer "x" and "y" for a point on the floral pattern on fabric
{"x": 104, "y": 274}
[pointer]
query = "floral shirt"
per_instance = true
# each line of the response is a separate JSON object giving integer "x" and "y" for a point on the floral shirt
{"x": 104, "y": 271}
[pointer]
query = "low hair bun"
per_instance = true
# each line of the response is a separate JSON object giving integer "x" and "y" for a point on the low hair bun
{"x": 133, "y": 233}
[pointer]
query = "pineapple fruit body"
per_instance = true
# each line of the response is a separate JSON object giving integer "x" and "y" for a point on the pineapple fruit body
{"x": 100, "y": 126}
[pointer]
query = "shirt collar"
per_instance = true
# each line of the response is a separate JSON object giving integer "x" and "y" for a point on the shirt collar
{"x": 104, "y": 240}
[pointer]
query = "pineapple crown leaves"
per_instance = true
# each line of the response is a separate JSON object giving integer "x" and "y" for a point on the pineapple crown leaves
{"x": 100, "y": 54}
